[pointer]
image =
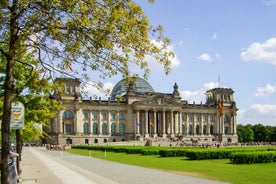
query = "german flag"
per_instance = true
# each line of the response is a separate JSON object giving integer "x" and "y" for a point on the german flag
{"x": 221, "y": 108}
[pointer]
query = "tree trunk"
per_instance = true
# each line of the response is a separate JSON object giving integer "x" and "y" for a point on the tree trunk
{"x": 18, "y": 150}
{"x": 6, "y": 122}
{"x": 8, "y": 93}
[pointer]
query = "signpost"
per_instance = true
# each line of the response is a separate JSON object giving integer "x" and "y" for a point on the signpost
{"x": 17, "y": 123}
{"x": 17, "y": 116}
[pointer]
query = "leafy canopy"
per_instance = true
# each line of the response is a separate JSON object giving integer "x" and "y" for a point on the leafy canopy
{"x": 104, "y": 36}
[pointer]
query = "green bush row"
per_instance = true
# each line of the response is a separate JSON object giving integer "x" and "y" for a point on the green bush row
{"x": 237, "y": 155}
{"x": 122, "y": 149}
{"x": 253, "y": 157}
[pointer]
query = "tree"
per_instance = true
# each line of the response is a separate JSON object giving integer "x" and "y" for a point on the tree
{"x": 245, "y": 133}
{"x": 101, "y": 36}
{"x": 34, "y": 92}
{"x": 259, "y": 133}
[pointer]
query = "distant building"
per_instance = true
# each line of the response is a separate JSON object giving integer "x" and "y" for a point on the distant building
{"x": 135, "y": 112}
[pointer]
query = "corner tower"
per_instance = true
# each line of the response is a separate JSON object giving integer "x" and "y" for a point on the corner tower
{"x": 68, "y": 89}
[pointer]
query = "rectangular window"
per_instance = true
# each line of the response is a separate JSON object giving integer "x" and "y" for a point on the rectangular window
{"x": 85, "y": 114}
{"x": 95, "y": 115}
{"x": 73, "y": 89}
{"x": 113, "y": 116}
{"x": 212, "y": 118}
{"x": 183, "y": 117}
{"x": 104, "y": 115}
{"x": 190, "y": 118}
{"x": 67, "y": 90}
{"x": 68, "y": 129}
{"x": 204, "y": 118}
{"x": 197, "y": 118}
{"x": 122, "y": 116}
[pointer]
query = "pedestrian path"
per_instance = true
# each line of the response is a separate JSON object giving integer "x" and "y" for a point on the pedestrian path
{"x": 66, "y": 175}
{"x": 56, "y": 167}
{"x": 39, "y": 167}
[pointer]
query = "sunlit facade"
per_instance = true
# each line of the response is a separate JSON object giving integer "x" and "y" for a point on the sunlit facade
{"x": 135, "y": 112}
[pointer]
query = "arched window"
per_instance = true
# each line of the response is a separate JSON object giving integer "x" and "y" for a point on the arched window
{"x": 95, "y": 128}
{"x": 85, "y": 128}
{"x": 113, "y": 129}
{"x": 122, "y": 128}
{"x": 204, "y": 129}
{"x": 211, "y": 129}
{"x": 197, "y": 129}
{"x": 190, "y": 130}
{"x": 67, "y": 115}
{"x": 104, "y": 129}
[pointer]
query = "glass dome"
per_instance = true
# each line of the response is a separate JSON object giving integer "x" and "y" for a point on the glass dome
{"x": 121, "y": 88}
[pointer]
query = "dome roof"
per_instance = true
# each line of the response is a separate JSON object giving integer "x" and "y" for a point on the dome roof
{"x": 121, "y": 88}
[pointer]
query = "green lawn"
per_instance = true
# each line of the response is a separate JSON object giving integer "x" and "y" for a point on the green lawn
{"x": 213, "y": 169}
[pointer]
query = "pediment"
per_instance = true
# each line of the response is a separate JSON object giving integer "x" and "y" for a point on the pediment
{"x": 158, "y": 100}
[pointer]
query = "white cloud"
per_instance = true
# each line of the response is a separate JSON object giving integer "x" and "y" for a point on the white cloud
{"x": 265, "y": 91}
{"x": 261, "y": 52}
{"x": 198, "y": 96}
{"x": 269, "y": 2}
{"x": 264, "y": 109}
{"x": 215, "y": 36}
{"x": 94, "y": 92}
{"x": 205, "y": 57}
{"x": 258, "y": 113}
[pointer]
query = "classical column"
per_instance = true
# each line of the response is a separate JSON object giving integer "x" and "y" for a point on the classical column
{"x": 180, "y": 123}
{"x": 208, "y": 125}
{"x": 90, "y": 122}
{"x": 176, "y": 124}
{"x": 172, "y": 124}
{"x": 201, "y": 125}
{"x": 154, "y": 124}
{"x": 222, "y": 124}
{"x": 186, "y": 125}
{"x": 164, "y": 123}
{"x": 234, "y": 125}
{"x": 108, "y": 123}
{"x": 100, "y": 122}
{"x": 117, "y": 131}
{"x": 146, "y": 124}
{"x": 137, "y": 122}
{"x": 194, "y": 125}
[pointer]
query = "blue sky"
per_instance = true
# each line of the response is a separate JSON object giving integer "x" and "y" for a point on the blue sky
{"x": 234, "y": 40}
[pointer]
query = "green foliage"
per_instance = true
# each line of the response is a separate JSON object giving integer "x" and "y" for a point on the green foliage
{"x": 259, "y": 133}
{"x": 245, "y": 133}
{"x": 34, "y": 91}
{"x": 253, "y": 157}
{"x": 101, "y": 36}
{"x": 256, "y": 133}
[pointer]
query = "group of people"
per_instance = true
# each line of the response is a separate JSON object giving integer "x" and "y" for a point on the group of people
{"x": 55, "y": 147}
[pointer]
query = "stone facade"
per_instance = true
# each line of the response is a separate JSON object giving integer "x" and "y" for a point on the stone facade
{"x": 142, "y": 115}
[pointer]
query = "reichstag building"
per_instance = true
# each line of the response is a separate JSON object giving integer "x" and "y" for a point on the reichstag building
{"x": 135, "y": 111}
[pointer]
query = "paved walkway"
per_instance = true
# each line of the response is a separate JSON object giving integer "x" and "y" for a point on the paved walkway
{"x": 55, "y": 167}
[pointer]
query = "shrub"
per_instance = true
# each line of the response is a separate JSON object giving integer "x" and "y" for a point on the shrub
{"x": 253, "y": 157}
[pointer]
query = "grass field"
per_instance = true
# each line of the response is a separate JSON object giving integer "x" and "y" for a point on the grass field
{"x": 214, "y": 169}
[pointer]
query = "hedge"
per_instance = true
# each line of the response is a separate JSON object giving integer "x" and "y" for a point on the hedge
{"x": 253, "y": 157}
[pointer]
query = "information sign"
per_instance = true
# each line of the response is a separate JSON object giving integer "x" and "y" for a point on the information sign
{"x": 17, "y": 115}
